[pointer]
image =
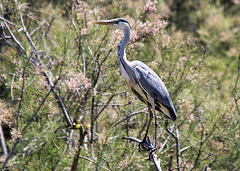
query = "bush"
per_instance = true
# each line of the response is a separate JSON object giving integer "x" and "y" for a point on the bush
{"x": 65, "y": 106}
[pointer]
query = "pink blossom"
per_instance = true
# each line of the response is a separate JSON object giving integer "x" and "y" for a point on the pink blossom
{"x": 150, "y": 6}
{"x": 15, "y": 134}
{"x": 144, "y": 29}
{"x": 235, "y": 2}
{"x": 77, "y": 82}
{"x": 84, "y": 12}
{"x": 117, "y": 35}
{"x": 183, "y": 58}
{"x": 83, "y": 31}
{"x": 134, "y": 36}
{"x": 160, "y": 24}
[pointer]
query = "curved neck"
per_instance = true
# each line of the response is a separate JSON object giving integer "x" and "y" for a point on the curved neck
{"x": 122, "y": 45}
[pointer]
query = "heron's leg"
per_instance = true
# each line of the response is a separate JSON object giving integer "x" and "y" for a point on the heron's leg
{"x": 145, "y": 137}
{"x": 156, "y": 127}
{"x": 149, "y": 123}
{"x": 156, "y": 123}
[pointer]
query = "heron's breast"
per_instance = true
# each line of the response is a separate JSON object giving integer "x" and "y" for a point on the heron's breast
{"x": 132, "y": 83}
{"x": 125, "y": 75}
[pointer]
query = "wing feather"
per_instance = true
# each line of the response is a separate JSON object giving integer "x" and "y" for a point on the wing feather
{"x": 153, "y": 85}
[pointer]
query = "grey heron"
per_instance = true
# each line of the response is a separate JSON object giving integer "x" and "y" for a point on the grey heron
{"x": 142, "y": 80}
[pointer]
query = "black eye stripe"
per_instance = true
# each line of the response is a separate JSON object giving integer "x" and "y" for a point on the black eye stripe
{"x": 123, "y": 20}
{"x": 115, "y": 21}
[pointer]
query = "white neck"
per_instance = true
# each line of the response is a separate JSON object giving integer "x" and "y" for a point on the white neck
{"x": 122, "y": 45}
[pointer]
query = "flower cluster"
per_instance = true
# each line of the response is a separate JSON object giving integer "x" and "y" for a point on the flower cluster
{"x": 123, "y": 164}
{"x": 150, "y": 6}
{"x": 84, "y": 31}
{"x": 148, "y": 28}
{"x": 77, "y": 82}
{"x": 85, "y": 14}
{"x": 15, "y": 134}
{"x": 141, "y": 30}
{"x": 117, "y": 36}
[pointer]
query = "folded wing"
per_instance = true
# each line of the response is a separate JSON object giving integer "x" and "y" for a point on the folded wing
{"x": 154, "y": 86}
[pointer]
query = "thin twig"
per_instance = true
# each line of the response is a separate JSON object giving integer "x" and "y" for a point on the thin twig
{"x": 21, "y": 96}
{"x": 178, "y": 148}
{"x": 12, "y": 86}
{"x": 109, "y": 52}
{"x": 92, "y": 118}
{"x": 164, "y": 143}
{"x": 128, "y": 116}
{"x": 13, "y": 37}
{"x": 82, "y": 157}
{"x": 104, "y": 37}
{"x": 236, "y": 97}
{"x": 171, "y": 160}
{"x": 106, "y": 105}
{"x": 59, "y": 100}
{"x": 68, "y": 144}
{"x": 30, "y": 40}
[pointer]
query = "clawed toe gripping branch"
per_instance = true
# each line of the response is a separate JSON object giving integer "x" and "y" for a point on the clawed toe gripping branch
{"x": 147, "y": 145}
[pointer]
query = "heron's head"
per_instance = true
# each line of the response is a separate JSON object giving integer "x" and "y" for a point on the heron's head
{"x": 119, "y": 23}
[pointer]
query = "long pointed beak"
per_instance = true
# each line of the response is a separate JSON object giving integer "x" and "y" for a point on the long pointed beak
{"x": 104, "y": 22}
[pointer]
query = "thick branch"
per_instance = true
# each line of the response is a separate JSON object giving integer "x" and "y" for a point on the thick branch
{"x": 82, "y": 134}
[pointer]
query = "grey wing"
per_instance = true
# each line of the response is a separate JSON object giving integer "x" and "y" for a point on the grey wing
{"x": 154, "y": 86}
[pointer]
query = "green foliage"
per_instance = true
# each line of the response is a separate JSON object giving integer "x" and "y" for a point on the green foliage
{"x": 59, "y": 63}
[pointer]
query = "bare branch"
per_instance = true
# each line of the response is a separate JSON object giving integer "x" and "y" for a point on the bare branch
{"x": 156, "y": 161}
{"x": 178, "y": 148}
{"x": 106, "y": 105}
{"x": 58, "y": 100}
{"x": 82, "y": 134}
{"x": 85, "y": 158}
{"x": 30, "y": 40}
{"x": 13, "y": 37}
{"x": 128, "y": 116}
{"x": 237, "y": 97}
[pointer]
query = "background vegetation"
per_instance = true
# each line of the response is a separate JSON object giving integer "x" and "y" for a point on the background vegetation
{"x": 64, "y": 105}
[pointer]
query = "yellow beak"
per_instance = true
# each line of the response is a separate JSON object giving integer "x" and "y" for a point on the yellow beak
{"x": 104, "y": 22}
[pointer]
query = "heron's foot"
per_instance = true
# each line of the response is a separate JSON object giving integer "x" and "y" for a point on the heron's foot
{"x": 145, "y": 145}
{"x": 152, "y": 152}
{"x": 141, "y": 146}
